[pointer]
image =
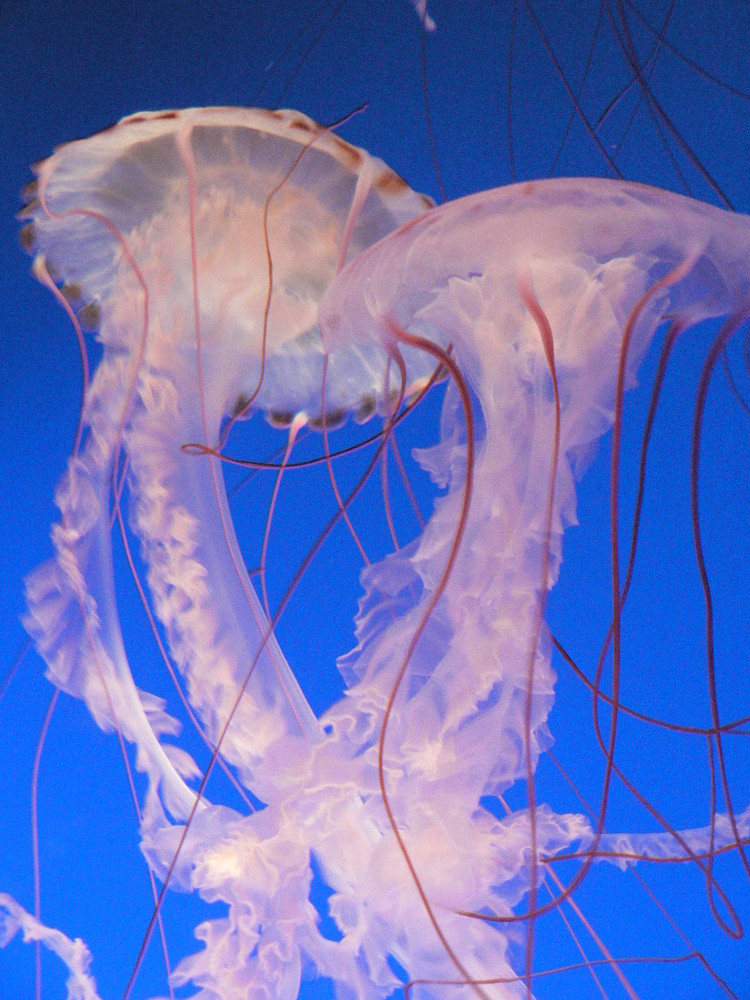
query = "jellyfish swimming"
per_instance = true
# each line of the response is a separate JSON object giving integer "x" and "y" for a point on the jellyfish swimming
{"x": 237, "y": 261}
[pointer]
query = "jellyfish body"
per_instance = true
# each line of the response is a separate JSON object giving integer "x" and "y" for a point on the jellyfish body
{"x": 546, "y": 295}
{"x": 170, "y": 223}
{"x": 143, "y": 218}
{"x": 207, "y": 239}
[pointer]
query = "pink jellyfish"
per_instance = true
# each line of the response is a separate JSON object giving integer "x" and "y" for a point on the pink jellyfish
{"x": 540, "y": 300}
{"x": 207, "y": 240}
{"x": 202, "y": 240}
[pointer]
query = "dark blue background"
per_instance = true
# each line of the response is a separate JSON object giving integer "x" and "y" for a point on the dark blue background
{"x": 70, "y": 69}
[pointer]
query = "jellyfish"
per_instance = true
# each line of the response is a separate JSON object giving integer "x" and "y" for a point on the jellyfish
{"x": 540, "y": 299}
{"x": 271, "y": 219}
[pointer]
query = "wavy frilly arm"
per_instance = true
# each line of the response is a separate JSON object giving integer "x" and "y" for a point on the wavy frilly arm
{"x": 72, "y": 605}
{"x": 74, "y": 954}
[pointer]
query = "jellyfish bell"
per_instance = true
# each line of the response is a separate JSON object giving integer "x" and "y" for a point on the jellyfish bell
{"x": 233, "y": 187}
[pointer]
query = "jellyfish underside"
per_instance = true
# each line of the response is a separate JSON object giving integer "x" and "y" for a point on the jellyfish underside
{"x": 540, "y": 301}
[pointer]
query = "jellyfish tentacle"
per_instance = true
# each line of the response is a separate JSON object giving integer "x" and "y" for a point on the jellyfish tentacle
{"x": 548, "y": 345}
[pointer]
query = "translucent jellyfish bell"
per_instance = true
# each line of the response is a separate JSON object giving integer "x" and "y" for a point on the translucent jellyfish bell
{"x": 212, "y": 194}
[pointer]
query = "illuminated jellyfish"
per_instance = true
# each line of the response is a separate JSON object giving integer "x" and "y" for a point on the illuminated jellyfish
{"x": 206, "y": 239}
{"x": 541, "y": 300}
{"x": 203, "y": 240}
